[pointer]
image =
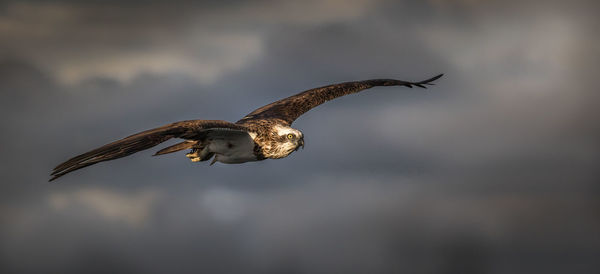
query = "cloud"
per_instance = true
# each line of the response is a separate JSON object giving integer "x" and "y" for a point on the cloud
{"x": 87, "y": 40}
{"x": 317, "y": 226}
{"x": 223, "y": 204}
{"x": 223, "y": 53}
{"x": 496, "y": 163}
{"x": 132, "y": 209}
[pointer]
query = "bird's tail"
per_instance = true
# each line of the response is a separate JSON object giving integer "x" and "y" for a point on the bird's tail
{"x": 177, "y": 147}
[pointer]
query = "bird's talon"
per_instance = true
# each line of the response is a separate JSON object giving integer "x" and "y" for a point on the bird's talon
{"x": 193, "y": 154}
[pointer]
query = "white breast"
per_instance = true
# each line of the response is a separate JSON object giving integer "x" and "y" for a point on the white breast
{"x": 233, "y": 147}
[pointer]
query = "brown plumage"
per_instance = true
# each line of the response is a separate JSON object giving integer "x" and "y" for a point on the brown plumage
{"x": 290, "y": 108}
{"x": 264, "y": 133}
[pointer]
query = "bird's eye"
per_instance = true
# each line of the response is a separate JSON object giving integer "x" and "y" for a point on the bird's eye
{"x": 290, "y": 136}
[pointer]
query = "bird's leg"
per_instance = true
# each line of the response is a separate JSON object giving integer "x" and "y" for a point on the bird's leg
{"x": 200, "y": 154}
{"x": 194, "y": 155}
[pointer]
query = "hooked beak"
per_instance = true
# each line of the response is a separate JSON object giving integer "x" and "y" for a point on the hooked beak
{"x": 300, "y": 144}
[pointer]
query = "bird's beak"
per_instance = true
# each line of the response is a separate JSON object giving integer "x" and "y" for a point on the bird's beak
{"x": 300, "y": 144}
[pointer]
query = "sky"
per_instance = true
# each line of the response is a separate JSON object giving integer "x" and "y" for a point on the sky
{"x": 492, "y": 170}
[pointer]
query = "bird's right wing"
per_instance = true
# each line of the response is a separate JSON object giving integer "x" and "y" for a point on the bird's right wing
{"x": 290, "y": 108}
{"x": 190, "y": 130}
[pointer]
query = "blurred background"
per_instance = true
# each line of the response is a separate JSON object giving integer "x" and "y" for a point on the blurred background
{"x": 492, "y": 170}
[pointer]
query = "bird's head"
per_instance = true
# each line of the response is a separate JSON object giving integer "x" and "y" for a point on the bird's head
{"x": 287, "y": 141}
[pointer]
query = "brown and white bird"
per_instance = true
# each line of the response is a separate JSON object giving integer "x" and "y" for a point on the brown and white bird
{"x": 263, "y": 134}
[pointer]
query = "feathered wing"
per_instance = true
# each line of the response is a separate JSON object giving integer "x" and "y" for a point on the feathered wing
{"x": 190, "y": 130}
{"x": 290, "y": 108}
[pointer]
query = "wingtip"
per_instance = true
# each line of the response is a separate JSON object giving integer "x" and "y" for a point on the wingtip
{"x": 428, "y": 81}
{"x": 433, "y": 78}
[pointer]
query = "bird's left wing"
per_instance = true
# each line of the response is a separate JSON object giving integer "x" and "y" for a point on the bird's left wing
{"x": 289, "y": 109}
{"x": 190, "y": 130}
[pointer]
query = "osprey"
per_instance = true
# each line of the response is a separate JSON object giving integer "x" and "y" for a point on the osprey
{"x": 263, "y": 134}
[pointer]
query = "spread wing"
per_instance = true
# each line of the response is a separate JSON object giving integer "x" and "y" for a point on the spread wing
{"x": 289, "y": 109}
{"x": 189, "y": 130}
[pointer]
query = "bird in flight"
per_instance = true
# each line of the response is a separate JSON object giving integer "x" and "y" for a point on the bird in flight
{"x": 265, "y": 133}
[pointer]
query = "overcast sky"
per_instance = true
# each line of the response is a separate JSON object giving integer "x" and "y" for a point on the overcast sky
{"x": 492, "y": 170}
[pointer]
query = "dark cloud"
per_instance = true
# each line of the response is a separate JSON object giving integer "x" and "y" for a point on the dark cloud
{"x": 492, "y": 170}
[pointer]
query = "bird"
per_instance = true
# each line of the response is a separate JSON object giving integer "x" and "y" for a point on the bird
{"x": 265, "y": 133}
